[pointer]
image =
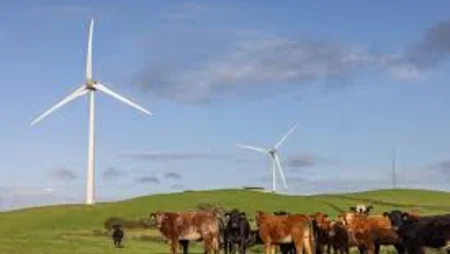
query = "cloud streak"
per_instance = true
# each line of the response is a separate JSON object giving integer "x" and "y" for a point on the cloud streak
{"x": 172, "y": 175}
{"x": 112, "y": 173}
{"x": 177, "y": 186}
{"x": 432, "y": 48}
{"x": 169, "y": 156}
{"x": 302, "y": 161}
{"x": 148, "y": 179}
{"x": 63, "y": 174}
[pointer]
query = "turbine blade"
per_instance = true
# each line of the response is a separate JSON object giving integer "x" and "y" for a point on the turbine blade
{"x": 261, "y": 150}
{"x": 77, "y": 93}
{"x": 89, "y": 52}
{"x": 113, "y": 94}
{"x": 285, "y": 136}
{"x": 280, "y": 169}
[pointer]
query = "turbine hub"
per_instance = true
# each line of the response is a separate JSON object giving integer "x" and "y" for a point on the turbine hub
{"x": 90, "y": 84}
{"x": 272, "y": 152}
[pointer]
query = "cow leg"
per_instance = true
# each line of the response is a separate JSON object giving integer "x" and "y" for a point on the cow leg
{"x": 399, "y": 248}
{"x": 377, "y": 248}
{"x": 267, "y": 247}
{"x": 273, "y": 249}
{"x": 283, "y": 250}
{"x": 184, "y": 244}
{"x": 362, "y": 250}
{"x": 174, "y": 246}
{"x": 309, "y": 247}
{"x": 229, "y": 247}
{"x": 207, "y": 244}
{"x": 371, "y": 249}
{"x": 320, "y": 248}
{"x": 415, "y": 249}
{"x": 216, "y": 245}
{"x": 232, "y": 248}
{"x": 299, "y": 248}
{"x": 242, "y": 244}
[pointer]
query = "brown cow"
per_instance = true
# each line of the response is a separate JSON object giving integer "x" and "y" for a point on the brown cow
{"x": 322, "y": 228}
{"x": 371, "y": 231}
{"x": 190, "y": 226}
{"x": 359, "y": 231}
{"x": 276, "y": 229}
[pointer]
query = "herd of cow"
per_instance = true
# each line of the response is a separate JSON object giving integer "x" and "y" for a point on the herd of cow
{"x": 316, "y": 233}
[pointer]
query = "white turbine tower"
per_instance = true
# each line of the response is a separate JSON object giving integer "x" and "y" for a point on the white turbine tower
{"x": 90, "y": 87}
{"x": 275, "y": 157}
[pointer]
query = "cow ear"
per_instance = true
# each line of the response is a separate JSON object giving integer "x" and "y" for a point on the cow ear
{"x": 369, "y": 207}
{"x": 405, "y": 216}
{"x": 352, "y": 208}
{"x": 243, "y": 215}
{"x": 385, "y": 214}
{"x": 152, "y": 216}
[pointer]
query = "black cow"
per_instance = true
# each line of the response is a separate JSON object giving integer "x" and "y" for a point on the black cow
{"x": 237, "y": 232}
{"x": 117, "y": 235}
{"x": 418, "y": 232}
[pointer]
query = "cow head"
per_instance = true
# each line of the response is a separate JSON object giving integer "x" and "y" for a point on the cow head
{"x": 158, "y": 217}
{"x": 234, "y": 218}
{"x": 334, "y": 227}
{"x": 398, "y": 218}
{"x": 361, "y": 208}
{"x": 321, "y": 220}
{"x": 368, "y": 208}
{"x": 258, "y": 217}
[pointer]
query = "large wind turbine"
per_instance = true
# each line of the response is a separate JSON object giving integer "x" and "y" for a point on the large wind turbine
{"x": 89, "y": 87}
{"x": 275, "y": 157}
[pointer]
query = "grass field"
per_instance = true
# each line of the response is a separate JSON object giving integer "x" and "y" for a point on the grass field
{"x": 78, "y": 229}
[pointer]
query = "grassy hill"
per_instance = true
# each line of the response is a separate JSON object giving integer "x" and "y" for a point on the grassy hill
{"x": 79, "y": 229}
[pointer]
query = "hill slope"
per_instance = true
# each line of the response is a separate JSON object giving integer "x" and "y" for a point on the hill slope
{"x": 77, "y": 229}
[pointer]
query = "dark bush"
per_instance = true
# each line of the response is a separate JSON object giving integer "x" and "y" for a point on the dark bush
{"x": 112, "y": 221}
{"x": 127, "y": 223}
{"x": 204, "y": 206}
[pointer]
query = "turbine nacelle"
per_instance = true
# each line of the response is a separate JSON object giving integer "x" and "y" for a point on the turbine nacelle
{"x": 90, "y": 84}
{"x": 272, "y": 153}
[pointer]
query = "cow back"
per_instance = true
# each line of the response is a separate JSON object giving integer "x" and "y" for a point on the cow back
{"x": 190, "y": 225}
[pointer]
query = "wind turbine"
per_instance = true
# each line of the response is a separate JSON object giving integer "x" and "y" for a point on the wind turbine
{"x": 89, "y": 87}
{"x": 274, "y": 155}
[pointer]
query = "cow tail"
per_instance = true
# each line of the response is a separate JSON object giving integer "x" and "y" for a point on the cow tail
{"x": 312, "y": 235}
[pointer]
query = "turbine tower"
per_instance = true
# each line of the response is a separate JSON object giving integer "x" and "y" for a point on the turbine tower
{"x": 274, "y": 156}
{"x": 89, "y": 87}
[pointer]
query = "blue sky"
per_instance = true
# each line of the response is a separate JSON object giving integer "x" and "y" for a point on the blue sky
{"x": 357, "y": 77}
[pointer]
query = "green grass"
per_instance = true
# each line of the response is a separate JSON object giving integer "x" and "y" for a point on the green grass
{"x": 79, "y": 229}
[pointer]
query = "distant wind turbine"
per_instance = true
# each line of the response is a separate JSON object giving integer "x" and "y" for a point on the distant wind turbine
{"x": 274, "y": 155}
{"x": 90, "y": 87}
